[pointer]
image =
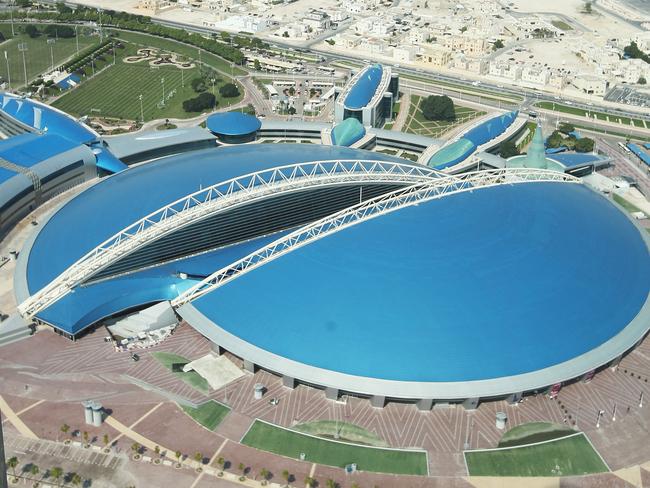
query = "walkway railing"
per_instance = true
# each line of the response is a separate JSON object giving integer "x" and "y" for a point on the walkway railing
{"x": 217, "y": 198}
{"x": 364, "y": 211}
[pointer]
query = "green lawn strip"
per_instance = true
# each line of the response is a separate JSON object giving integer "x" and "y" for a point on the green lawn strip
{"x": 470, "y": 91}
{"x": 560, "y": 24}
{"x": 571, "y": 455}
{"x": 632, "y": 137}
{"x": 347, "y": 432}
{"x": 534, "y": 432}
{"x": 38, "y": 57}
{"x": 170, "y": 45}
{"x": 558, "y": 107}
{"x": 115, "y": 91}
{"x": 625, "y": 204}
{"x": 209, "y": 414}
{"x": 290, "y": 443}
{"x": 192, "y": 378}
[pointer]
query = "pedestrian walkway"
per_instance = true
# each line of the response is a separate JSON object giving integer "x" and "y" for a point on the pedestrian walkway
{"x": 405, "y": 105}
{"x": 15, "y": 420}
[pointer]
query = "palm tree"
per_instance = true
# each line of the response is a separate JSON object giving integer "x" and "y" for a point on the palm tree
{"x": 264, "y": 473}
{"x": 75, "y": 479}
{"x": 285, "y": 476}
{"x": 56, "y": 473}
{"x": 242, "y": 468}
{"x": 309, "y": 481}
{"x": 221, "y": 462}
{"x": 330, "y": 483}
{"x": 157, "y": 450}
{"x": 198, "y": 457}
{"x": 65, "y": 428}
{"x": 135, "y": 447}
{"x": 86, "y": 437}
{"x": 178, "y": 455}
{"x": 12, "y": 463}
{"x": 106, "y": 440}
{"x": 34, "y": 470}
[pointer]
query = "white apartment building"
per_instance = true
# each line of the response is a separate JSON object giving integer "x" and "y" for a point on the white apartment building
{"x": 590, "y": 84}
{"x": 435, "y": 56}
{"x": 535, "y": 74}
{"x": 505, "y": 69}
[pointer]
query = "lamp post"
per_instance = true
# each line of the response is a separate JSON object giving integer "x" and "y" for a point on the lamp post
{"x": 214, "y": 107}
{"x": 8, "y": 72}
{"x": 141, "y": 109}
{"x": 3, "y": 466}
{"x": 162, "y": 82}
{"x": 11, "y": 14}
{"x": 76, "y": 36}
{"x": 101, "y": 34}
{"x": 22, "y": 47}
{"x": 51, "y": 43}
{"x": 600, "y": 414}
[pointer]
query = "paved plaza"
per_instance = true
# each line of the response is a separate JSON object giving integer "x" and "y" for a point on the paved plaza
{"x": 45, "y": 377}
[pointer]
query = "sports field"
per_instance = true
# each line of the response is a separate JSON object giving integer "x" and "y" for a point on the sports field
{"x": 572, "y": 455}
{"x": 192, "y": 378}
{"x": 289, "y": 443}
{"x": 115, "y": 91}
{"x": 38, "y": 57}
{"x": 209, "y": 414}
{"x": 417, "y": 124}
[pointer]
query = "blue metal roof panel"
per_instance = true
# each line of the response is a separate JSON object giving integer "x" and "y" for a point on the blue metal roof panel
{"x": 452, "y": 154}
{"x": 365, "y": 87}
{"x": 124, "y": 198}
{"x": 472, "y": 286}
{"x": 5, "y": 174}
{"x": 347, "y": 132}
{"x": 491, "y": 129}
{"x": 30, "y": 148}
{"x": 233, "y": 124}
{"x": 640, "y": 153}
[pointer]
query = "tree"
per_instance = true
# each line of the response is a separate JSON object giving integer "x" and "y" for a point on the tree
{"x": 135, "y": 447}
{"x": 32, "y": 31}
{"x": 34, "y": 469}
{"x": 642, "y": 80}
{"x": 330, "y": 483}
{"x": 229, "y": 90}
{"x": 508, "y": 149}
{"x": 286, "y": 476}
{"x": 198, "y": 457}
{"x": 584, "y": 145}
{"x": 56, "y": 473}
{"x": 178, "y": 455}
{"x": 555, "y": 139}
{"x": 292, "y": 111}
{"x": 157, "y": 450}
{"x": 292, "y": 91}
{"x": 62, "y": 8}
{"x": 498, "y": 44}
{"x": 566, "y": 128}
{"x": 12, "y": 463}
{"x": 86, "y": 437}
{"x": 221, "y": 462}
{"x": 204, "y": 101}
{"x": 198, "y": 85}
{"x": 285, "y": 34}
{"x": 23, "y": 3}
{"x": 436, "y": 107}
{"x": 242, "y": 468}
{"x": 264, "y": 473}
{"x": 65, "y": 428}
{"x": 257, "y": 65}
{"x": 587, "y": 9}
{"x": 310, "y": 482}
{"x": 75, "y": 479}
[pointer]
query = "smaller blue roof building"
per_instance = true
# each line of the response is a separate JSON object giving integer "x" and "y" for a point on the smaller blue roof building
{"x": 347, "y": 132}
{"x": 365, "y": 87}
{"x": 233, "y": 127}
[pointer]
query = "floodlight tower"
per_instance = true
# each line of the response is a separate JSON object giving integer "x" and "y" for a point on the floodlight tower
{"x": 22, "y": 47}
{"x": 162, "y": 81}
{"x": 8, "y": 72}
{"x": 51, "y": 43}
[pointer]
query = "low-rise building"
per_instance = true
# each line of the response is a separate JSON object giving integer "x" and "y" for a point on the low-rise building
{"x": 435, "y": 55}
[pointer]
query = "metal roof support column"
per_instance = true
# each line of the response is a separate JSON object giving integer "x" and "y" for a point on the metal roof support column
{"x": 217, "y": 349}
{"x": 288, "y": 382}
{"x": 332, "y": 393}
{"x": 424, "y": 404}
{"x": 378, "y": 401}
{"x": 515, "y": 398}
{"x": 471, "y": 403}
{"x": 249, "y": 366}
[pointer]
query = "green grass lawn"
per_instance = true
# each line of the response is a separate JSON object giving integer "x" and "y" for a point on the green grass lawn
{"x": 209, "y": 59}
{"x": 38, "y": 56}
{"x": 209, "y": 414}
{"x": 347, "y": 432}
{"x": 534, "y": 432}
{"x": 625, "y": 204}
{"x": 558, "y": 107}
{"x": 289, "y": 443}
{"x": 572, "y": 455}
{"x": 192, "y": 378}
{"x": 560, "y": 24}
{"x": 417, "y": 124}
{"x": 115, "y": 91}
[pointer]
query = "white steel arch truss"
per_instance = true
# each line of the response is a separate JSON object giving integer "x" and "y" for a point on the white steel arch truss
{"x": 218, "y": 197}
{"x": 367, "y": 210}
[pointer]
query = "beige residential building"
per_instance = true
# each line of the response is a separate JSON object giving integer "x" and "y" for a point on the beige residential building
{"x": 435, "y": 55}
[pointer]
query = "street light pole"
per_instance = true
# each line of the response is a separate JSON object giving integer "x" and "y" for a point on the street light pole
{"x": 23, "y": 49}
{"x": 162, "y": 81}
{"x": 11, "y": 13}
{"x": 51, "y": 43}
{"x": 8, "y": 72}
{"x": 141, "y": 109}
{"x": 3, "y": 466}
{"x": 214, "y": 106}
{"x": 101, "y": 34}
{"x": 76, "y": 36}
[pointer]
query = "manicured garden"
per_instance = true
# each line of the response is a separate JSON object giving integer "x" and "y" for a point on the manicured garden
{"x": 209, "y": 414}
{"x": 286, "y": 442}
{"x": 174, "y": 363}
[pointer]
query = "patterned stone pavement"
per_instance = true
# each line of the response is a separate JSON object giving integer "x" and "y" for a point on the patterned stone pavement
{"x": 621, "y": 439}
